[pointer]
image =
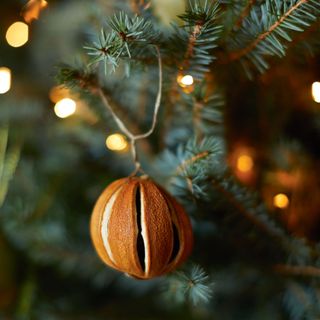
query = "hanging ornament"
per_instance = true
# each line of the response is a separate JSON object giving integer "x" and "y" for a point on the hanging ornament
{"x": 139, "y": 229}
{"x": 136, "y": 226}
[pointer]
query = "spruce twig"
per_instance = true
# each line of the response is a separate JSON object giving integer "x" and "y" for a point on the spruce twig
{"x": 239, "y": 54}
{"x": 245, "y": 12}
{"x": 242, "y": 209}
{"x": 192, "y": 160}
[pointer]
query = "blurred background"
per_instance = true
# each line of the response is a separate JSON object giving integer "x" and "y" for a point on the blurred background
{"x": 57, "y": 153}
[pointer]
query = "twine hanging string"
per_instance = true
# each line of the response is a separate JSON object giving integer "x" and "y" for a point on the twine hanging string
{"x": 132, "y": 137}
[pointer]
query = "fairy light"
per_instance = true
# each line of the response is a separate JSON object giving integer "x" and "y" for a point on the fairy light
{"x": 281, "y": 201}
{"x": 185, "y": 81}
{"x": 32, "y": 9}
{"x": 116, "y": 142}
{"x": 5, "y": 80}
{"x": 316, "y": 91}
{"x": 65, "y": 108}
{"x": 17, "y": 34}
{"x": 245, "y": 163}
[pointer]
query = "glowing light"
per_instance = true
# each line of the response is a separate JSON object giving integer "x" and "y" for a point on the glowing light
{"x": 185, "y": 81}
{"x": 31, "y": 11}
{"x": 5, "y": 80}
{"x": 65, "y": 108}
{"x": 17, "y": 34}
{"x": 316, "y": 91}
{"x": 281, "y": 201}
{"x": 117, "y": 142}
{"x": 244, "y": 163}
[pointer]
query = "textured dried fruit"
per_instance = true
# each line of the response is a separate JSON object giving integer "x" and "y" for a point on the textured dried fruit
{"x": 138, "y": 228}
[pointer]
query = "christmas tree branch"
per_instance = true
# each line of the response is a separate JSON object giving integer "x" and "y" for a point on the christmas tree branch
{"x": 245, "y": 13}
{"x": 192, "y": 160}
{"x": 303, "y": 36}
{"x": 197, "y": 37}
{"x": 239, "y": 54}
{"x": 131, "y": 136}
{"x": 267, "y": 30}
{"x": 308, "y": 271}
{"x": 242, "y": 210}
{"x": 81, "y": 82}
{"x": 191, "y": 44}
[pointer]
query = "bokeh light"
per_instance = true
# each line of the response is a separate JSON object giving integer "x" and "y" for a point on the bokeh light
{"x": 244, "y": 163}
{"x": 65, "y": 108}
{"x": 17, "y": 34}
{"x": 185, "y": 81}
{"x": 117, "y": 142}
{"x": 281, "y": 201}
{"x": 5, "y": 80}
{"x": 316, "y": 91}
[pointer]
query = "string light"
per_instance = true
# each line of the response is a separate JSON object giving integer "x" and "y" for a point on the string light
{"x": 117, "y": 142}
{"x": 244, "y": 163}
{"x": 281, "y": 201}
{"x": 316, "y": 91}
{"x": 17, "y": 34}
{"x": 185, "y": 81}
{"x": 65, "y": 108}
{"x": 5, "y": 80}
{"x": 31, "y": 11}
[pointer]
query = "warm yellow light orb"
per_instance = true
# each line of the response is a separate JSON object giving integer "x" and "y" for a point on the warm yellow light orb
{"x": 244, "y": 163}
{"x": 117, "y": 142}
{"x": 281, "y": 201}
{"x": 316, "y": 91}
{"x": 65, "y": 108}
{"x": 5, "y": 80}
{"x": 185, "y": 81}
{"x": 17, "y": 34}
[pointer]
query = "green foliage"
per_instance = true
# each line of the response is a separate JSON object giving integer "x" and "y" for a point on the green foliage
{"x": 192, "y": 285}
{"x": 135, "y": 29}
{"x": 268, "y": 28}
{"x": 235, "y": 11}
{"x": 302, "y": 302}
{"x": 196, "y": 39}
{"x": 123, "y": 42}
{"x": 207, "y": 112}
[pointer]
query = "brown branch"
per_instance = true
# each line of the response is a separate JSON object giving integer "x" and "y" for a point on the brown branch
{"x": 192, "y": 41}
{"x": 239, "y": 54}
{"x": 241, "y": 208}
{"x": 91, "y": 84}
{"x": 308, "y": 271}
{"x": 191, "y": 160}
{"x": 245, "y": 13}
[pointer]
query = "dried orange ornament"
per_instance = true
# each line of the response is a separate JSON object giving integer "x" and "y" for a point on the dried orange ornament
{"x": 138, "y": 228}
